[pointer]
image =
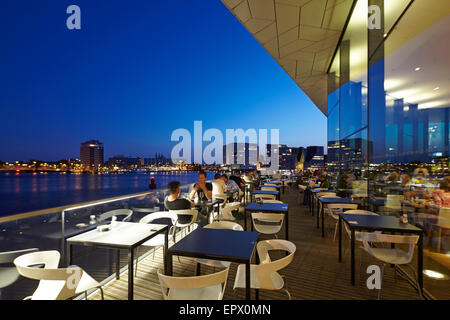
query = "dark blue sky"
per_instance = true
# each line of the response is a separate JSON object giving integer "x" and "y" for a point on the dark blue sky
{"x": 136, "y": 71}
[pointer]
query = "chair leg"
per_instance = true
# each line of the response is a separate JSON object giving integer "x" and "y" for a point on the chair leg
{"x": 416, "y": 276}
{"x": 286, "y": 288}
{"x": 335, "y": 231}
{"x": 101, "y": 293}
{"x": 85, "y": 295}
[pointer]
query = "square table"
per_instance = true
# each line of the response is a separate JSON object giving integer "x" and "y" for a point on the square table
{"x": 274, "y": 193}
{"x": 325, "y": 201}
{"x": 312, "y": 197}
{"x": 217, "y": 244}
{"x": 270, "y": 208}
{"x": 369, "y": 223}
{"x": 123, "y": 235}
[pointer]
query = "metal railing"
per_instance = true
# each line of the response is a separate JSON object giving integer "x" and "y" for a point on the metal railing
{"x": 48, "y": 229}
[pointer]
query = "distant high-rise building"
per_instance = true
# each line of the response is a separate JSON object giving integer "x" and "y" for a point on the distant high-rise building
{"x": 314, "y": 157}
{"x": 91, "y": 154}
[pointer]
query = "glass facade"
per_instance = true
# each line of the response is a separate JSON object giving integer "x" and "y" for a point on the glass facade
{"x": 388, "y": 121}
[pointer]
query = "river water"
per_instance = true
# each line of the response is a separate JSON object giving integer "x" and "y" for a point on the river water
{"x": 26, "y": 192}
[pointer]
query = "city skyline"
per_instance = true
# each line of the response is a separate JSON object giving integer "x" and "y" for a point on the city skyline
{"x": 132, "y": 80}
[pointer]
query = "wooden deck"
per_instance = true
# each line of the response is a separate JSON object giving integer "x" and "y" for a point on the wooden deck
{"x": 315, "y": 273}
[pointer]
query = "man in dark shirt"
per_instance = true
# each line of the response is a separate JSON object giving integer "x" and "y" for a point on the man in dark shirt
{"x": 201, "y": 189}
{"x": 172, "y": 202}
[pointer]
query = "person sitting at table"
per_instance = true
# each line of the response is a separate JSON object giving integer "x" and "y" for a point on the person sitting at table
{"x": 230, "y": 185}
{"x": 218, "y": 188}
{"x": 173, "y": 202}
{"x": 236, "y": 177}
{"x": 324, "y": 182}
{"x": 202, "y": 189}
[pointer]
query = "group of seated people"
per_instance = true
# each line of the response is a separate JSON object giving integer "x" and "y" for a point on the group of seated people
{"x": 201, "y": 192}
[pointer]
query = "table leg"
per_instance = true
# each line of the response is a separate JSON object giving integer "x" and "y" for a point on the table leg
{"x": 165, "y": 249}
{"x": 117, "y": 264}
{"x": 352, "y": 258}
{"x": 340, "y": 239}
{"x": 169, "y": 264}
{"x": 130, "y": 273}
{"x": 323, "y": 220}
{"x": 420, "y": 263}
{"x": 70, "y": 254}
{"x": 317, "y": 217}
{"x": 247, "y": 281}
{"x": 245, "y": 219}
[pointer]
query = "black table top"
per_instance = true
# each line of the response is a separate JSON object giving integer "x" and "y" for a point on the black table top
{"x": 271, "y": 207}
{"x": 379, "y": 223}
{"x": 337, "y": 200}
{"x": 217, "y": 244}
{"x": 265, "y": 192}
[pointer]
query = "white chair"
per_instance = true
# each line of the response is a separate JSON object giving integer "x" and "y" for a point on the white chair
{"x": 55, "y": 283}
{"x": 226, "y": 225}
{"x": 9, "y": 274}
{"x": 158, "y": 240}
{"x": 184, "y": 225}
{"x": 265, "y": 196}
{"x": 265, "y": 275}
{"x": 207, "y": 287}
{"x": 116, "y": 213}
{"x": 227, "y": 212}
{"x": 268, "y": 189}
{"x": 392, "y": 256}
{"x": 272, "y": 201}
{"x": 358, "y": 235}
{"x": 273, "y": 222}
{"x": 335, "y": 209}
{"x": 325, "y": 195}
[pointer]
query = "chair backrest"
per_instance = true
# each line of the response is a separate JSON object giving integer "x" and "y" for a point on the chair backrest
{"x": 9, "y": 256}
{"x": 266, "y": 267}
{"x": 268, "y": 189}
{"x": 187, "y": 212}
{"x": 214, "y": 279}
{"x": 272, "y": 201}
{"x": 114, "y": 213}
{"x": 370, "y": 213}
{"x": 160, "y": 215}
{"x": 444, "y": 217}
{"x": 327, "y": 194}
{"x": 394, "y": 201}
{"x": 226, "y": 225}
{"x": 368, "y": 237}
{"x": 68, "y": 278}
{"x": 275, "y": 217}
{"x": 265, "y": 196}
{"x": 337, "y": 206}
